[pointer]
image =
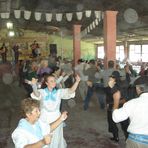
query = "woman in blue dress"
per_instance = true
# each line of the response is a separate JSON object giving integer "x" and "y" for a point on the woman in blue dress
{"x": 50, "y": 98}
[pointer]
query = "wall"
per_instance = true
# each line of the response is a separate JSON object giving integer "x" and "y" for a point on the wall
{"x": 64, "y": 45}
{"x": 65, "y": 48}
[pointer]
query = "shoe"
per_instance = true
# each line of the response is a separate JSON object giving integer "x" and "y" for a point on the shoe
{"x": 114, "y": 139}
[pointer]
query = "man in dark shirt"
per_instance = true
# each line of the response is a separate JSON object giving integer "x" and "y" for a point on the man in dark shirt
{"x": 15, "y": 48}
{"x": 3, "y": 53}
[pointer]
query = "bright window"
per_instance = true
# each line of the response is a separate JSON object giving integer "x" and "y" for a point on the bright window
{"x": 138, "y": 53}
{"x": 135, "y": 53}
{"x": 101, "y": 52}
{"x": 120, "y": 53}
{"x": 144, "y": 53}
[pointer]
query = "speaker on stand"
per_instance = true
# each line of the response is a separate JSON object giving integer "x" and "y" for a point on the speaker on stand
{"x": 53, "y": 49}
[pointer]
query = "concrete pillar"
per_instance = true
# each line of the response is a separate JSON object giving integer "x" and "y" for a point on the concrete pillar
{"x": 126, "y": 51}
{"x": 96, "y": 51}
{"x": 76, "y": 43}
{"x": 110, "y": 36}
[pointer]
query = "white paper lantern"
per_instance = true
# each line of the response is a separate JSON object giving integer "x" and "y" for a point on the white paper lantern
{"x": 79, "y": 15}
{"x": 69, "y": 16}
{"x": 71, "y": 103}
{"x": 93, "y": 24}
{"x": 59, "y": 17}
{"x": 88, "y": 29}
{"x": 37, "y": 16}
{"x": 91, "y": 27}
{"x": 98, "y": 14}
{"x": 48, "y": 17}
{"x": 102, "y": 15}
{"x": 27, "y": 14}
{"x": 96, "y": 22}
{"x": 17, "y": 14}
{"x": 5, "y": 15}
{"x": 7, "y": 78}
{"x": 88, "y": 13}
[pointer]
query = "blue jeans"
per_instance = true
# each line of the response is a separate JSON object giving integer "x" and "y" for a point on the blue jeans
{"x": 100, "y": 94}
{"x": 88, "y": 96}
{"x": 99, "y": 88}
{"x": 101, "y": 99}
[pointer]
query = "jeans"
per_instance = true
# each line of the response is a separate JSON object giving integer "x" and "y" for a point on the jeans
{"x": 99, "y": 88}
{"x": 88, "y": 96}
{"x": 100, "y": 95}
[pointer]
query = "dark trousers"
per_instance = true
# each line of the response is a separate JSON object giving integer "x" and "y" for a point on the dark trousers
{"x": 99, "y": 88}
{"x": 16, "y": 56}
{"x": 4, "y": 58}
{"x": 100, "y": 96}
{"x": 88, "y": 96}
{"x": 112, "y": 126}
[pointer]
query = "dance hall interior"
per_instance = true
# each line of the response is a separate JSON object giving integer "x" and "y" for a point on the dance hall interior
{"x": 68, "y": 69}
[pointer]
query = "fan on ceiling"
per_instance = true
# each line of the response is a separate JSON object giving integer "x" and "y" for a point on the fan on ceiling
{"x": 130, "y": 16}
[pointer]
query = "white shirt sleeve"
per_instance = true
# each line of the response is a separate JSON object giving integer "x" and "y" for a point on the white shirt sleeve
{"x": 65, "y": 78}
{"x": 119, "y": 115}
{"x": 122, "y": 113}
{"x": 59, "y": 79}
{"x": 19, "y": 139}
{"x": 33, "y": 96}
{"x": 65, "y": 93}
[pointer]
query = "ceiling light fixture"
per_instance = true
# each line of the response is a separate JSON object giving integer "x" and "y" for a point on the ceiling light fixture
{"x": 11, "y": 33}
{"x": 9, "y": 25}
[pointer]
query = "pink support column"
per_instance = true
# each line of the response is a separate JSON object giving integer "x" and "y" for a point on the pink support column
{"x": 76, "y": 43}
{"x": 110, "y": 36}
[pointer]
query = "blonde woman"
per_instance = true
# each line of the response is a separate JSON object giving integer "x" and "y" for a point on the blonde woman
{"x": 44, "y": 68}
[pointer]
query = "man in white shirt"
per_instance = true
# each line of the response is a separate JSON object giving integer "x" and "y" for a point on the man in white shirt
{"x": 105, "y": 74}
{"x": 136, "y": 110}
{"x": 79, "y": 69}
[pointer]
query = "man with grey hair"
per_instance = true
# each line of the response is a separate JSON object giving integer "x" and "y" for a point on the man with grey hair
{"x": 136, "y": 110}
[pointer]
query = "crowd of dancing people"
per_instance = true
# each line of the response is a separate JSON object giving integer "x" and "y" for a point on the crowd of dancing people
{"x": 48, "y": 81}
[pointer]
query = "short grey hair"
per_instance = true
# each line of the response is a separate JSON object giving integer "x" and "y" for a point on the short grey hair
{"x": 143, "y": 87}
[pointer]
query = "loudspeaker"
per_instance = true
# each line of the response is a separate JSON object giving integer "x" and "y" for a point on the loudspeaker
{"x": 53, "y": 48}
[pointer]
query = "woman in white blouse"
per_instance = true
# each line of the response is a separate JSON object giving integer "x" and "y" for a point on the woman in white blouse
{"x": 50, "y": 98}
{"x": 31, "y": 132}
